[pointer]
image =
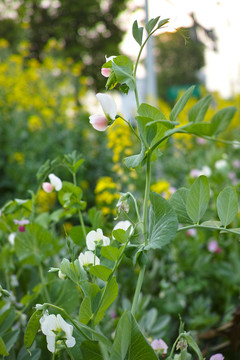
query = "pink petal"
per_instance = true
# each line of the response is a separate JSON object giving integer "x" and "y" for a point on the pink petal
{"x": 47, "y": 187}
{"x": 99, "y": 122}
{"x": 106, "y": 72}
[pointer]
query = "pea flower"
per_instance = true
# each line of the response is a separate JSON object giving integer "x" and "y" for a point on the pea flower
{"x": 56, "y": 329}
{"x": 55, "y": 183}
{"x": 217, "y": 357}
{"x": 11, "y": 238}
{"x": 159, "y": 346}
{"x": 101, "y": 122}
{"x": 213, "y": 247}
{"x": 21, "y": 224}
{"x": 95, "y": 238}
{"x": 88, "y": 258}
{"x": 124, "y": 225}
{"x": 106, "y": 72}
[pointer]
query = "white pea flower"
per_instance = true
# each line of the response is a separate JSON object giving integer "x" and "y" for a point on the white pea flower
{"x": 55, "y": 183}
{"x": 88, "y": 258}
{"x": 100, "y": 122}
{"x": 51, "y": 325}
{"x": 11, "y": 238}
{"x": 221, "y": 164}
{"x": 95, "y": 238}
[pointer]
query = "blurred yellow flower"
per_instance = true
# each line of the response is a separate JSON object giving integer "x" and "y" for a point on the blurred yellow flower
{"x": 34, "y": 123}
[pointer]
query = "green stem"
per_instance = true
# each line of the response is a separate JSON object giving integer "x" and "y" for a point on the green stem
{"x": 207, "y": 227}
{"x": 130, "y": 125}
{"x": 79, "y": 211}
{"x": 137, "y": 62}
{"x": 145, "y": 233}
{"x": 146, "y": 199}
{"x": 43, "y": 281}
{"x": 53, "y": 356}
{"x": 138, "y": 289}
{"x": 69, "y": 354}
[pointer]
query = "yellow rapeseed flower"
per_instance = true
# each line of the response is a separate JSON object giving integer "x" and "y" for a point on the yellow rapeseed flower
{"x": 34, "y": 123}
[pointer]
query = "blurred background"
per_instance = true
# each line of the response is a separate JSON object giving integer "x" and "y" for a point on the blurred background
{"x": 51, "y": 52}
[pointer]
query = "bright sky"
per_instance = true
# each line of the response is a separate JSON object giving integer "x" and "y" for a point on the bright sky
{"x": 222, "y": 68}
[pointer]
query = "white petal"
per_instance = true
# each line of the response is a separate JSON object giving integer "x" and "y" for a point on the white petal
{"x": 51, "y": 343}
{"x": 108, "y": 105}
{"x": 55, "y": 181}
{"x": 106, "y": 241}
{"x": 71, "y": 342}
{"x": 49, "y": 324}
{"x": 67, "y": 328}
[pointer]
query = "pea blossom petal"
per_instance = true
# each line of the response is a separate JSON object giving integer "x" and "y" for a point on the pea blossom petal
{"x": 88, "y": 258}
{"x": 106, "y": 72}
{"x": 108, "y": 105}
{"x": 95, "y": 238}
{"x": 99, "y": 122}
{"x": 51, "y": 325}
{"x": 217, "y": 357}
{"x": 47, "y": 187}
{"x": 55, "y": 181}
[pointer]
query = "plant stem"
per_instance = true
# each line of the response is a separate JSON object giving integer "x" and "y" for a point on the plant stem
{"x": 138, "y": 289}
{"x": 43, "y": 281}
{"x": 130, "y": 125}
{"x": 79, "y": 211}
{"x": 145, "y": 233}
{"x": 69, "y": 354}
{"x": 146, "y": 199}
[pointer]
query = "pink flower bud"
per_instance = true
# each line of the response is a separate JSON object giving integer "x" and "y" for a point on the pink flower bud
{"x": 191, "y": 232}
{"x": 21, "y": 228}
{"x": 99, "y": 122}
{"x": 47, "y": 187}
{"x": 106, "y": 72}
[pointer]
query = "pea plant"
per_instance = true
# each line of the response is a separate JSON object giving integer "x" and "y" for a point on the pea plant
{"x": 78, "y": 291}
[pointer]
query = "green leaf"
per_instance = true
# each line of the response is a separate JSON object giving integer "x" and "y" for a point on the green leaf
{"x": 227, "y": 205}
{"x": 151, "y": 24}
{"x": 135, "y": 160}
{"x": 200, "y": 129}
{"x": 179, "y": 106}
{"x": 198, "y": 111}
{"x": 91, "y": 350}
{"x": 137, "y": 32}
{"x": 71, "y": 271}
{"x": 191, "y": 342}
{"x": 32, "y": 328}
{"x": 163, "y": 222}
{"x": 139, "y": 348}
{"x": 198, "y": 198}
{"x": 122, "y": 235}
{"x": 85, "y": 312}
{"x": 34, "y": 245}
{"x": 129, "y": 341}
{"x": 109, "y": 295}
{"x": 163, "y": 22}
{"x": 122, "y": 338}
{"x": 3, "y": 349}
{"x": 178, "y": 202}
{"x": 70, "y": 195}
{"x": 221, "y": 120}
{"x": 76, "y": 233}
{"x": 123, "y": 68}
{"x": 100, "y": 271}
{"x": 95, "y": 217}
{"x": 150, "y": 111}
{"x": 110, "y": 252}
